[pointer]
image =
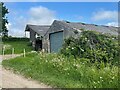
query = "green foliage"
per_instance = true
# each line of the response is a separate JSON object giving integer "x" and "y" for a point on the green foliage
{"x": 92, "y": 45}
{"x": 4, "y": 20}
{"x": 59, "y": 71}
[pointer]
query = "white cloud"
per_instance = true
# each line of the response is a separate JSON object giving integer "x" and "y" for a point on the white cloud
{"x": 41, "y": 15}
{"x": 36, "y": 15}
{"x": 112, "y": 24}
{"x": 105, "y": 15}
{"x": 17, "y": 26}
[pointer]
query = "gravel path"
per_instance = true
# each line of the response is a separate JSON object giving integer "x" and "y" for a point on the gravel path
{"x": 10, "y": 80}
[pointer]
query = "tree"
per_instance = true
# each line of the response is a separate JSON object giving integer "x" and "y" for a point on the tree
{"x": 4, "y": 20}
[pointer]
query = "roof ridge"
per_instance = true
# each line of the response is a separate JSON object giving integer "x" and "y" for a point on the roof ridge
{"x": 66, "y": 21}
{"x": 38, "y": 25}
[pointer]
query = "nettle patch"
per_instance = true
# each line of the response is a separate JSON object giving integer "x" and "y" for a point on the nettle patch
{"x": 92, "y": 45}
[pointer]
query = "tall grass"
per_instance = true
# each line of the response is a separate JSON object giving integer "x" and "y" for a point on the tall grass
{"x": 60, "y": 71}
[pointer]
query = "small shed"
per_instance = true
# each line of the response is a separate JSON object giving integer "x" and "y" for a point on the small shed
{"x": 36, "y": 34}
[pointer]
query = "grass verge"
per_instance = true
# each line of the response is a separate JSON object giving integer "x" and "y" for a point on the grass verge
{"x": 59, "y": 71}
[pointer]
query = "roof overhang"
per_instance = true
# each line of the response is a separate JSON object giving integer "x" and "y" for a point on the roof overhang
{"x": 38, "y": 29}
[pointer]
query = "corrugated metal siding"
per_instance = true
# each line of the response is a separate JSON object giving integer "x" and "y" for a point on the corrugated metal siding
{"x": 56, "y": 41}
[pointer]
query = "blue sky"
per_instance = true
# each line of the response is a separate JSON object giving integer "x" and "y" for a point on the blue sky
{"x": 22, "y": 13}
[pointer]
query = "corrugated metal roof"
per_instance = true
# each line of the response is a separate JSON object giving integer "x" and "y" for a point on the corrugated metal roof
{"x": 42, "y": 29}
{"x": 99, "y": 28}
{"x": 39, "y": 29}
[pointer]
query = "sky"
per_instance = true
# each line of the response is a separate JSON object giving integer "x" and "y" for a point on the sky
{"x": 44, "y": 13}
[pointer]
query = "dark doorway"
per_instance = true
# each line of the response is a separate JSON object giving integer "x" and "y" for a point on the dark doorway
{"x": 38, "y": 45}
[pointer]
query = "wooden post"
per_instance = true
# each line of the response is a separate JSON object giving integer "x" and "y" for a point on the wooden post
{"x": 3, "y": 50}
{"x": 24, "y": 53}
{"x": 12, "y": 52}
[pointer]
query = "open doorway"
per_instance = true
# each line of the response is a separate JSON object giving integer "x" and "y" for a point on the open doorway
{"x": 38, "y": 44}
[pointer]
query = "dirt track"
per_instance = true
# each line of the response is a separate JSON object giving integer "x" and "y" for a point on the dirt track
{"x": 11, "y": 80}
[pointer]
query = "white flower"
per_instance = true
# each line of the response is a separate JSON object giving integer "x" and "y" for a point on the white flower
{"x": 85, "y": 38}
{"x": 72, "y": 47}
{"x": 77, "y": 65}
{"x": 82, "y": 49}
{"x": 100, "y": 77}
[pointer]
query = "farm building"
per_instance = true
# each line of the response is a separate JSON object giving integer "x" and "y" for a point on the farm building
{"x": 37, "y": 33}
{"x": 51, "y": 37}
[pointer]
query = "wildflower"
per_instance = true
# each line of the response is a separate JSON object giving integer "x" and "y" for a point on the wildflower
{"x": 82, "y": 50}
{"x": 98, "y": 81}
{"x": 66, "y": 69}
{"x": 77, "y": 65}
{"x": 66, "y": 48}
{"x": 100, "y": 77}
{"x": 85, "y": 38}
{"x": 72, "y": 48}
{"x": 94, "y": 82}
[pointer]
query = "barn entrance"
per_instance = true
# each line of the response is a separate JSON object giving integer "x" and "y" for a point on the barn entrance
{"x": 56, "y": 41}
{"x": 38, "y": 44}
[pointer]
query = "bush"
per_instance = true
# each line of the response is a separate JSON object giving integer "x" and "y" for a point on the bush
{"x": 92, "y": 45}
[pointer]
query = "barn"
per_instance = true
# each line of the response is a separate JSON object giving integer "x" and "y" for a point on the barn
{"x": 52, "y": 36}
{"x": 36, "y": 34}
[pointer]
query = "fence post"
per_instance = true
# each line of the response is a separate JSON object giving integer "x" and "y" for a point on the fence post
{"x": 3, "y": 50}
{"x": 12, "y": 52}
{"x": 24, "y": 53}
